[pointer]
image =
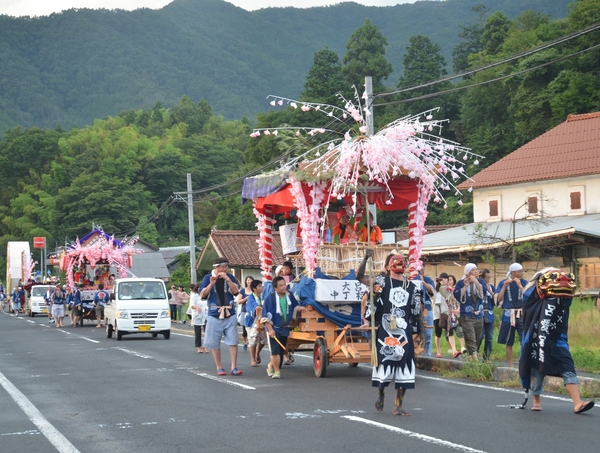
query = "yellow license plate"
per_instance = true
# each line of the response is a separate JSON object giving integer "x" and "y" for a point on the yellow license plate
{"x": 44, "y": 310}
{"x": 144, "y": 328}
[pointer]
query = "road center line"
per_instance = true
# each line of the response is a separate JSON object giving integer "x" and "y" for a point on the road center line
{"x": 223, "y": 381}
{"x": 30, "y": 321}
{"x": 89, "y": 339}
{"x": 137, "y": 354}
{"x": 404, "y": 432}
{"x": 60, "y": 442}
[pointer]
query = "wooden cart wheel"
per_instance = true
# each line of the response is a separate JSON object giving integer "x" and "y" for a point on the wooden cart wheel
{"x": 320, "y": 358}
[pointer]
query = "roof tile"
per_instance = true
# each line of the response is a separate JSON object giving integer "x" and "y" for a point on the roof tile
{"x": 570, "y": 149}
{"x": 241, "y": 248}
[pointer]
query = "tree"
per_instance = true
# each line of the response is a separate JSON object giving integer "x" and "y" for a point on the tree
{"x": 423, "y": 62}
{"x": 324, "y": 79}
{"x": 471, "y": 43}
{"x": 365, "y": 56}
{"x": 495, "y": 32}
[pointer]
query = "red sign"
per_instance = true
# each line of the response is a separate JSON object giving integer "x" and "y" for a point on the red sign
{"x": 39, "y": 243}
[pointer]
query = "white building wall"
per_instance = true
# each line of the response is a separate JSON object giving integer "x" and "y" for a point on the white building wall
{"x": 554, "y": 198}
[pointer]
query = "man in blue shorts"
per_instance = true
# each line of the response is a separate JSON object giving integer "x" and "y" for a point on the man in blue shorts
{"x": 510, "y": 299}
{"x": 220, "y": 288}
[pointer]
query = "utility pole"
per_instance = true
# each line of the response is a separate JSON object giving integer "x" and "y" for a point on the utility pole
{"x": 369, "y": 106}
{"x": 190, "y": 205}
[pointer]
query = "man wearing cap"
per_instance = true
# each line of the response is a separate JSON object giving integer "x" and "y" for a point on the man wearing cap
{"x": 343, "y": 231}
{"x": 469, "y": 291}
{"x": 220, "y": 289}
{"x": 510, "y": 299}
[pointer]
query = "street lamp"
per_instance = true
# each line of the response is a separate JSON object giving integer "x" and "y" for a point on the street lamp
{"x": 514, "y": 225}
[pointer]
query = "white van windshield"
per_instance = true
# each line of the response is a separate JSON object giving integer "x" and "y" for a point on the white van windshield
{"x": 38, "y": 291}
{"x": 141, "y": 290}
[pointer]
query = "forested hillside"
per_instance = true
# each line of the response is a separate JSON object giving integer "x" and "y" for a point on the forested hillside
{"x": 73, "y": 67}
{"x": 121, "y": 171}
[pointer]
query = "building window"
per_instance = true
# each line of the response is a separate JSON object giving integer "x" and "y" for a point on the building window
{"x": 493, "y": 208}
{"x": 532, "y": 205}
{"x": 575, "y": 201}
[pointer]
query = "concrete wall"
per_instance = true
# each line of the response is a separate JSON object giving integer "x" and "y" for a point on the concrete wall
{"x": 556, "y": 191}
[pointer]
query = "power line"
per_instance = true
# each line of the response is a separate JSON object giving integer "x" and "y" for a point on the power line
{"x": 452, "y": 90}
{"x": 516, "y": 56}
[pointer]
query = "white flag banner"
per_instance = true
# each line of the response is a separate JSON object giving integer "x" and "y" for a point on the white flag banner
{"x": 339, "y": 291}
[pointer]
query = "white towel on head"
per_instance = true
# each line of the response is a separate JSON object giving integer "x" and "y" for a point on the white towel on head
{"x": 468, "y": 268}
{"x": 514, "y": 267}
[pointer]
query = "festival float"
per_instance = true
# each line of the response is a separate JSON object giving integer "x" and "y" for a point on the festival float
{"x": 401, "y": 167}
{"x": 96, "y": 258}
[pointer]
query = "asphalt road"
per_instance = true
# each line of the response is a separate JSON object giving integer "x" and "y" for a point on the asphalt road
{"x": 71, "y": 390}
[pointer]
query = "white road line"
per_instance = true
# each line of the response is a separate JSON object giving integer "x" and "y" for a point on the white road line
{"x": 89, "y": 339}
{"x": 224, "y": 381}
{"x": 30, "y": 321}
{"x": 489, "y": 387}
{"x": 423, "y": 437}
{"x": 137, "y": 354}
{"x": 181, "y": 334}
{"x": 64, "y": 331}
{"x": 60, "y": 442}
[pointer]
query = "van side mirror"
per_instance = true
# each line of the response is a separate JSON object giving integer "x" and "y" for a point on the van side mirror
{"x": 112, "y": 296}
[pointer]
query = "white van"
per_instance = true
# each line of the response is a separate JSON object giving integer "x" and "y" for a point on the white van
{"x": 138, "y": 305}
{"x": 36, "y": 305}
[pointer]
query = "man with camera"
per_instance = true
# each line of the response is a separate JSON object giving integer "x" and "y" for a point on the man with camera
{"x": 220, "y": 289}
{"x": 510, "y": 299}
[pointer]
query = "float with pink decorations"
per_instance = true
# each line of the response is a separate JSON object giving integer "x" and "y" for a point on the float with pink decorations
{"x": 96, "y": 258}
{"x": 403, "y": 166}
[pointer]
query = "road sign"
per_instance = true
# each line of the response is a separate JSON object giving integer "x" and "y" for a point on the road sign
{"x": 39, "y": 243}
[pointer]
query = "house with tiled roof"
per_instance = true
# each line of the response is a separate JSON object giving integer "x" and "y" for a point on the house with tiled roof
{"x": 557, "y": 174}
{"x": 545, "y": 192}
{"x": 241, "y": 250}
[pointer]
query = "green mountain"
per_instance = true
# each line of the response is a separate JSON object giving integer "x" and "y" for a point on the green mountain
{"x": 70, "y": 68}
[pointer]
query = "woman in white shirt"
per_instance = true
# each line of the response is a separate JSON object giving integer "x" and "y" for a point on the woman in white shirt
{"x": 199, "y": 309}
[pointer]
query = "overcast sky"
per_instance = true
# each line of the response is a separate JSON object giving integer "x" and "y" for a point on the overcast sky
{"x": 46, "y": 7}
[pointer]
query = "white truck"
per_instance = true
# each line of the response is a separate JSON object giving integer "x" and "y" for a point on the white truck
{"x": 138, "y": 305}
{"x": 17, "y": 254}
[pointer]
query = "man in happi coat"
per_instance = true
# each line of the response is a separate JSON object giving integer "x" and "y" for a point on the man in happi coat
{"x": 545, "y": 350}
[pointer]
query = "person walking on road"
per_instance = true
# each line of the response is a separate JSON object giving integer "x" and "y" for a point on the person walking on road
{"x": 398, "y": 315}
{"x": 257, "y": 338}
{"x": 242, "y": 299}
{"x": 199, "y": 309}
{"x": 487, "y": 337}
{"x": 59, "y": 298}
{"x": 173, "y": 303}
{"x": 453, "y": 304}
{"x": 279, "y": 309}
{"x": 48, "y": 300}
{"x": 220, "y": 289}
{"x": 3, "y": 299}
{"x": 181, "y": 301}
{"x": 443, "y": 317}
{"x": 510, "y": 299}
{"x": 101, "y": 298}
{"x": 545, "y": 350}
{"x": 469, "y": 291}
